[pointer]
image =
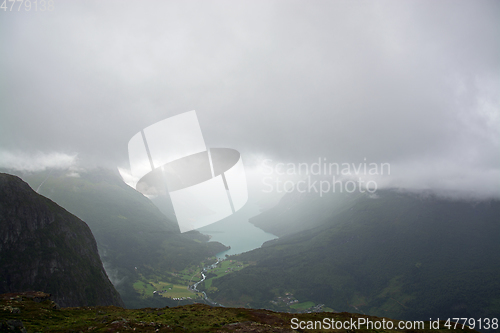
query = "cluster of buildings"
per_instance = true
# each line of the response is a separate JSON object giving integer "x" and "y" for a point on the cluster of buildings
{"x": 180, "y": 298}
{"x": 160, "y": 292}
{"x": 288, "y": 299}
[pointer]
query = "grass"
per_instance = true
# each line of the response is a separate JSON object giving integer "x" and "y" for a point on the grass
{"x": 225, "y": 267}
{"x": 303, "y": 305}
{"x": 43, "y": 317}
{"x": 164, "y": 289}
{"x": 144, "y": 288}
{"x": 175, "y": 290}
{"x": 147, "y": 285}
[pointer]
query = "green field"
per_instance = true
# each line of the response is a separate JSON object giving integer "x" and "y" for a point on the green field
{"x": 225, "y": 267}
{"x": 303, "y": 305}
{"x": 144, "y": 288}
{"x": 178, "y": 288}
{"x": 175, "y": 290}
{"x": 147, "y": 285}
{"x": 164, "y": 289}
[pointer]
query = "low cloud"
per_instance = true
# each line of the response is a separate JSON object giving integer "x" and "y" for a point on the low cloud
{"x": 446, "y": 178}
{"x": 459, "y": 176}
{"x": 128, "y": 178}
{"x": 113, "y": 274}
{"x": 39, "y": 161}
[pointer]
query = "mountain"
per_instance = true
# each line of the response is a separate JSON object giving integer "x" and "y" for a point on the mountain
{"x": 44, "y": 247}
{"x": 137, "y": 243}
{"x": 396, "y": 254}
{"x": 297, "y": 212}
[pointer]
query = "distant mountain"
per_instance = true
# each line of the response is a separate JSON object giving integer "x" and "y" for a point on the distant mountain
{"x": 297, "y": 212}
{"x": 44, "y": 247}
{"x": 134, "y": 238}
{"x": 400, "y": 255}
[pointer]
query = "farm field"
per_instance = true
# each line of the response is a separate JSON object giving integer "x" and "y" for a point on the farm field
{"x": 223, "y": 268}
{"x": 303, "y": 305}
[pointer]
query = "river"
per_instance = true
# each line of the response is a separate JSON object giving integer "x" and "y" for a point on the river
{"x": 203, "y": 277}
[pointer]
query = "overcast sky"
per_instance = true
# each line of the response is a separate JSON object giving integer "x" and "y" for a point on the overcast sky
{"x": 411, "y": 83}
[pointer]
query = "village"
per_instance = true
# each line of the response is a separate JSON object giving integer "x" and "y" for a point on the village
{"x": 293, "y": 304}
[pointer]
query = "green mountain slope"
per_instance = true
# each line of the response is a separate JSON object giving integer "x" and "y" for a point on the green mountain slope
{"x": 42, "y": 246}
{"x": 397, "y": 255}
{"x": 298, "y": 212}
{"x": 135, "y": 240}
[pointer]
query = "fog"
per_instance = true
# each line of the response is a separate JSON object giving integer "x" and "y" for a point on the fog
{"x": 414, "y": 84}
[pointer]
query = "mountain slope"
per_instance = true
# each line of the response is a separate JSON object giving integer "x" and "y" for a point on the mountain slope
{"x": 398, "y": 255}
{"x": 134, "y": 238}
{"x": 297, "y": 212}
{"x": 42, "y": 246}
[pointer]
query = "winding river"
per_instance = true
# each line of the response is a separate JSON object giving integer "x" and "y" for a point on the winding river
{"x": 194, "y": 288}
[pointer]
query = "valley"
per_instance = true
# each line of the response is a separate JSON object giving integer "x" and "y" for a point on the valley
{"x": 390, "y": 255}
{"x": 183, "y": 285}
{"x": 249, "y": 166}
{"x": 394, "y": 255}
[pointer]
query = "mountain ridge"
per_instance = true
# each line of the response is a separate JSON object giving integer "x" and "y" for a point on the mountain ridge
{"x": 384, "y": 255}
{"x": 136, "y": 241}
{"x": 35, "y": 316}
{"x": 43, "y": 246}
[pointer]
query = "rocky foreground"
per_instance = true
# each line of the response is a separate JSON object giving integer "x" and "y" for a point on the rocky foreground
{"x": 36, "y": 312}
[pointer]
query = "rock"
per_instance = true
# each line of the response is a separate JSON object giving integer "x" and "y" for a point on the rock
{"x": 44, "y": 247}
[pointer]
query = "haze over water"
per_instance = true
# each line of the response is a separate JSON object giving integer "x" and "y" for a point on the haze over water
{"x": 236, "y": 231}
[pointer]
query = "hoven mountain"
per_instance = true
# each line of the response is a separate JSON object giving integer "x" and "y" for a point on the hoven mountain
{"x": 44, "y": 247}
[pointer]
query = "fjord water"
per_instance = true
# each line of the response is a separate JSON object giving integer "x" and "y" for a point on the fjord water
{"x": 237, "y": 232}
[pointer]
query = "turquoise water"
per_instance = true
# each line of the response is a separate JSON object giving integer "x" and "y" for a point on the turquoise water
{"x": 237, "y": 232}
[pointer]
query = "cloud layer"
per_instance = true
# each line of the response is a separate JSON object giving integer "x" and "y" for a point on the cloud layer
{"x": 20, "y": 161}
{"x": 411, "y": 83}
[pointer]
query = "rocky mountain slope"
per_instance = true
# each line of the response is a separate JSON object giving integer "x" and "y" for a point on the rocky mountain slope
{"x": 135, "y": 240}
{"x": 44, "y": 247}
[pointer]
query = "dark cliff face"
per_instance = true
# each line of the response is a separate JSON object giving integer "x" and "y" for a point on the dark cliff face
{"x": 134, "y": 238}
{"x": 44, "y": 247}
